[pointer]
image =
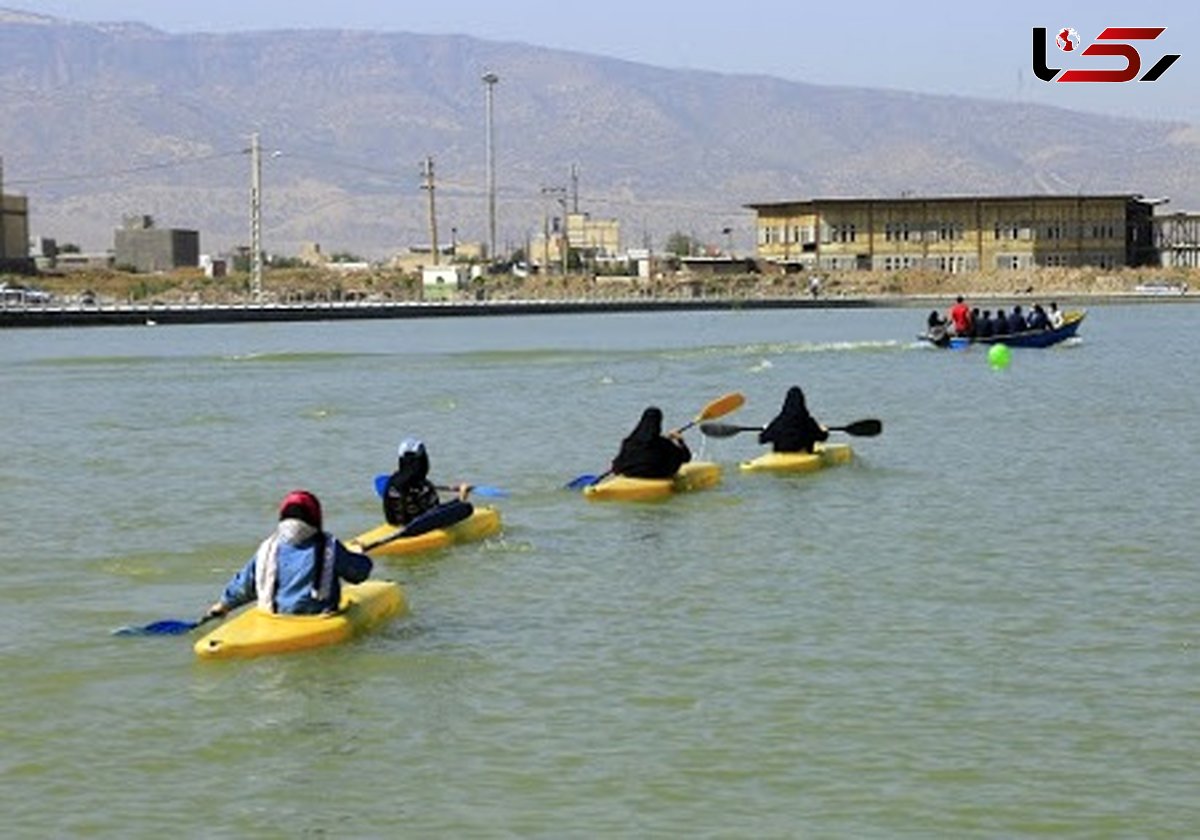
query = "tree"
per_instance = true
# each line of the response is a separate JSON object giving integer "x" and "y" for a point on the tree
{"x": 680, "y": 244}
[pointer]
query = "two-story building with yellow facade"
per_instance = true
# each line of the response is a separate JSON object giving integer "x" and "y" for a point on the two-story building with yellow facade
{"x": 956, "y": 234}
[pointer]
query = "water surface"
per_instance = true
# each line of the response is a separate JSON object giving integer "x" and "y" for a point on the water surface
{"x": 986, "y": 626}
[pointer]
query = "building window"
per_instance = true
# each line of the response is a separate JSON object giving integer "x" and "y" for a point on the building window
{"x": 843, "y": 233}
{"x": 948, "y": 231}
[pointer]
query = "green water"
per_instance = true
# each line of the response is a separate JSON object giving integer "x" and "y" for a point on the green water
{"x": 986, "y": 626}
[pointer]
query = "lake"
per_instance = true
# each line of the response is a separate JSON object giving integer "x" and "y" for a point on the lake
{"x": 985, "y": 626}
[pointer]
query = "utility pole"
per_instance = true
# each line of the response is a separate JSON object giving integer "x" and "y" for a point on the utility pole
{"x": 574, "y": 188}
{"x": 566, "y": 233}
{"x": 559, "y": 193}
{"x": 490, "y": 80}
{"x": 3, "y": 245}
{"x": 256, "y": 252}
{"x": 427, "y": 171}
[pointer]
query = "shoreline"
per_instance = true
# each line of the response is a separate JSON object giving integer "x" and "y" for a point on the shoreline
{"x": 79, "y": 315}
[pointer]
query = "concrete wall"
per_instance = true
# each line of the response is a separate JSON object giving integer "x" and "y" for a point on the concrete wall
{"x": 152, "y": 249}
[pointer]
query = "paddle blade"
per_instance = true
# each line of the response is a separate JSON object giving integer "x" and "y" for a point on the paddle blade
{"x": 487, "y": 491}
{"x": 581, "y": 481}
{"x": 479, "y": 490}
{"x": 381, "y": 483}
{"x": 724, "y": 430}
{"x": 721, "y": 406}
{"x": 861, "y": 428}
{"x": 167, "y": 627}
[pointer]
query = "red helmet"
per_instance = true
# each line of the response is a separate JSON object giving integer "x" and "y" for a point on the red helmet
{"x": 300, "y": 504}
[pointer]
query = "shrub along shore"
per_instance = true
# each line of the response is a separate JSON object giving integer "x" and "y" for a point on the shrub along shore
{"x": 297, "y": 287}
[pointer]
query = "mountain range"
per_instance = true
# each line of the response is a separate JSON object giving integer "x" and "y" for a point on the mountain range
{"x": 102, "y": 121}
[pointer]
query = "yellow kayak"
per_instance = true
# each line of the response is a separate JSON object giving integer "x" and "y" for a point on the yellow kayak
{"x": 483, "y": 523}
{"x": 253, "y": 632}
{"x": 824, "y": 455}
{"x": 694, "y": 475}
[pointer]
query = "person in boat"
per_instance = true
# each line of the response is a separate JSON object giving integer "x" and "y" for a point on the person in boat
{"x": 1037, "y": 318}
{"x": 647, "y": 453}
{"x": 409, "y": 492}
{"x": 984, "y": 328}
{"x": 973, "y": 330}
{"x": 298, "y": 569}
{"x": 960, "y": 317}
{"x": 793, "y": 429}
{"x": 1000, "y": 323}
{"x": 1054, "y": 316}
{"x": 1016, "y": 320}
{"x": 936, "y": 329}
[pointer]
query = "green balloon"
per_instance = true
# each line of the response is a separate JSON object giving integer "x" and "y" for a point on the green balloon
{"x": 999, "y": 356}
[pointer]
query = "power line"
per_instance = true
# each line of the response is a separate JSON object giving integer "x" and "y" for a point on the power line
{"x": 150, "y": 167}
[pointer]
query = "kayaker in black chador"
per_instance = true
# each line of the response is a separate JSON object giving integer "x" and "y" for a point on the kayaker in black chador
{"x": 648, "y": 453}
{"x": 409, "y": 492}
{"x": 794, "y": 429}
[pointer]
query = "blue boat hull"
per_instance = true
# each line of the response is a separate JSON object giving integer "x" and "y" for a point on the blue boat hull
{"x": 1029, "y": 338}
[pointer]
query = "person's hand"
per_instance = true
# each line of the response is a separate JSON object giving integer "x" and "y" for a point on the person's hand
{"x": 216, "y": 610}
{"x": 464, "y": 490}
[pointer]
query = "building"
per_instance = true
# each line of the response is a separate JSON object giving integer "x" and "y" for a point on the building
{"x": 1177, "y": 239}
{"x": 590, "y": 240}
{"x": 143, "y": 247}
{"x": 14, "y": 232}
{"x": 444, "y": 282}
{"x": 956, "y": 234}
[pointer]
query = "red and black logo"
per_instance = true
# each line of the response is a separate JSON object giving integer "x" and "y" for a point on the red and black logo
{"x": 1113, "y": 41}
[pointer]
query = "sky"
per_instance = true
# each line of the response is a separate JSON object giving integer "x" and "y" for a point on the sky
{"x": 979, "y": 50}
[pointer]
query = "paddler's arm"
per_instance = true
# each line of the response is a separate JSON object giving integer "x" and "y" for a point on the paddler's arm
{"x": 240, "y": 590}
{"x": 351, "y": 565}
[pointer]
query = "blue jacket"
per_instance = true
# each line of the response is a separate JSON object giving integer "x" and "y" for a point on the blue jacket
{"x": 295, "y": 578}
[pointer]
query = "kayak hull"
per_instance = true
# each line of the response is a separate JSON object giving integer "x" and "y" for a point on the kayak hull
{"x": 822, "y": 456}
{"x": 254, "y": 632}
{"x": 694, "y": 475}
{"x": 481, "y": 524}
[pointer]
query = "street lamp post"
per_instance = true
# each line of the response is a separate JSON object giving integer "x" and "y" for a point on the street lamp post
{"x": 256, "y": 255}
{"x": 489, "y": 80}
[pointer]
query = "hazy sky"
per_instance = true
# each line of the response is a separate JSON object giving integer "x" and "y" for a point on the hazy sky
{"x": 972, "y": 49}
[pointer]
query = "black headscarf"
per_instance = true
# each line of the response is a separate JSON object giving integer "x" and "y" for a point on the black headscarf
{"x": 649, "y": 427}
{"x": 794, "y": 407}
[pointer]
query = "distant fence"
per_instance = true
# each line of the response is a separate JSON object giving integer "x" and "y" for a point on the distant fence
{"x": 80, "y": 315}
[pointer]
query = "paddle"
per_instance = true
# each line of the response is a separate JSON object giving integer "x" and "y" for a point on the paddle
{"x": 717, "y": 408}
{"x": 860, "y": 428}
{"x": 485, "y": 490}
{"x": 166, "y": 627}
{"x": 442, "y": 516}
